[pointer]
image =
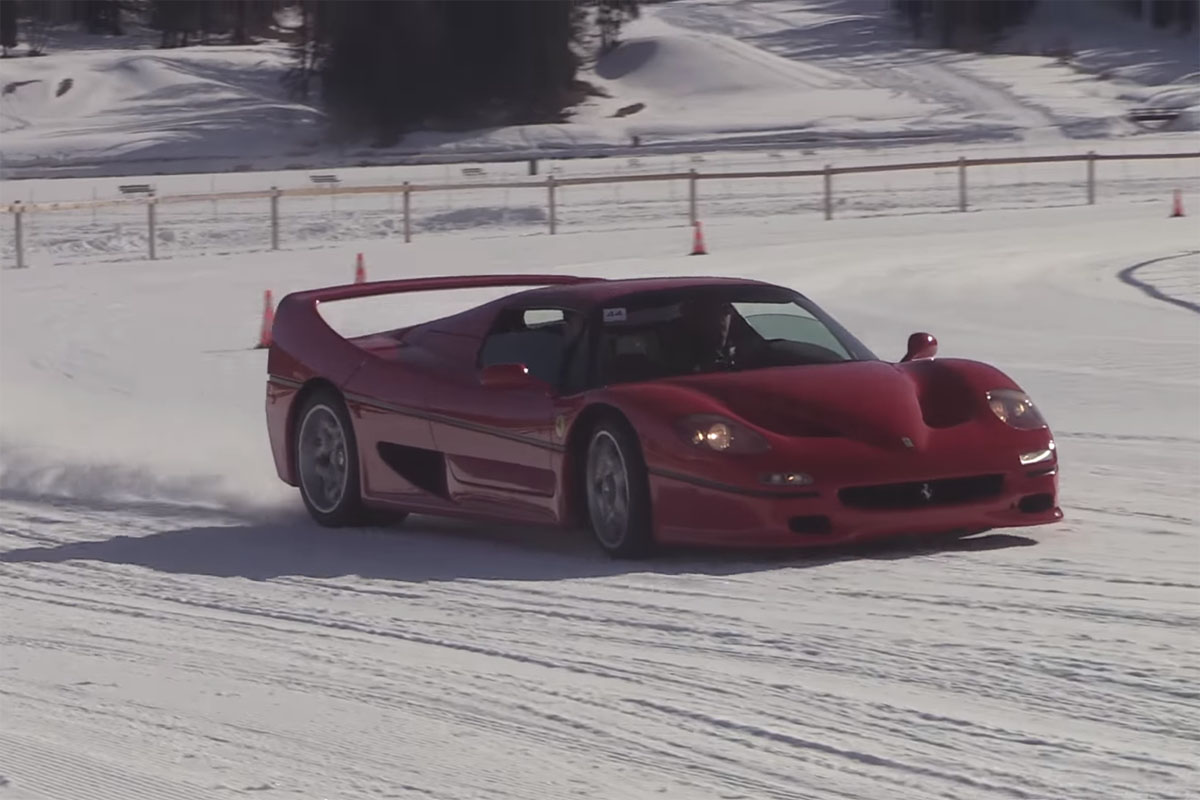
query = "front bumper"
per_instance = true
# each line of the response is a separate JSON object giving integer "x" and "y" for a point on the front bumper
{"x": 688, "y": 512}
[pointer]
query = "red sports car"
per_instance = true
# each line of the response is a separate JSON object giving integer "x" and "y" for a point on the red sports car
{"x": 652, "y": 411}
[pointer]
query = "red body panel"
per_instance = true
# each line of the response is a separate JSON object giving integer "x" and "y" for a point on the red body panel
{"x": 852, "y": 424}
{"x": 304, "y": 348}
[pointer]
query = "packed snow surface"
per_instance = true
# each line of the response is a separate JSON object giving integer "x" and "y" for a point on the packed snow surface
{"x": 175, "y": 627}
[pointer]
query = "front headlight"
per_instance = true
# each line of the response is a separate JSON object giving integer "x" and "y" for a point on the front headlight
{"x": 721, "y": 434}
{"x": 1014, "y": 408}
{"x": 1038, "y": 456}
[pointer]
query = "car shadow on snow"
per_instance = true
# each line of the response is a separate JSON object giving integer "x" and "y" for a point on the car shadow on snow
{"x": 432, "y": 549}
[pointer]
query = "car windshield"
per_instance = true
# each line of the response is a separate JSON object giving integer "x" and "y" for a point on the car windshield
{"x": 713, "y": 329}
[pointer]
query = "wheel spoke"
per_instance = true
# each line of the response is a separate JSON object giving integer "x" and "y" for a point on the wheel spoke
{"x": 323, "y": 459}
{"x": 608, "y": 490}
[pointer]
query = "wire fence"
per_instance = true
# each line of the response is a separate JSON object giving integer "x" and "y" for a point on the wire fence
{"x": 168, "y": 224}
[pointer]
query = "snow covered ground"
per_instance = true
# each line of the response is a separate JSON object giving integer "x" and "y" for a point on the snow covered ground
{"x": 238, "y": 226}
{"x": 174, "y": 627}
{"x": 773, "y": 73}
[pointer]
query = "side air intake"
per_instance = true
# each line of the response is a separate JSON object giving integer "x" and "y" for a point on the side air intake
{"x": 425, "y": 469}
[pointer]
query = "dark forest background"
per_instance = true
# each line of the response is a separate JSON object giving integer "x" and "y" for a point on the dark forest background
{"x": 391, "y": 67}
{"x": 381, "y": 68}
{"x": 974, "y": 24}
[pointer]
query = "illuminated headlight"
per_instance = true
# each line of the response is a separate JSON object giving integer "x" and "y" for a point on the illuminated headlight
{"x": 787, "y": 479}
{"x": 1038, "y": 456}
{"x": 717, "y": 436}
{"x": 1015, "y": 409}
{"x": 721, "y": 434}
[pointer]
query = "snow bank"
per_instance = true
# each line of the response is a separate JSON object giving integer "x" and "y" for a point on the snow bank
{"x": 170, "y": 105}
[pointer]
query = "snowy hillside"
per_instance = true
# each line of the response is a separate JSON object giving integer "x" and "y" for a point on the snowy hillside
{"x": 150, "y": 105}
{"x": 174, "y": 626}
{"x": 770, "y": 73}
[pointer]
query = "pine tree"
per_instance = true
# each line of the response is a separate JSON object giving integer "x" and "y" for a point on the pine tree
{"x": 102, "y": 16}
{"x": 610, "y": 16}
{"x": 8, "y": 26}
{"x": 387, "y": 68}
{"x": 955, "y": 22}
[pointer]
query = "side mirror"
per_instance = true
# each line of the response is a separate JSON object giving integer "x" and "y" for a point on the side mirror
{"x": 510, "y": 376}
{"x": 920, "y": 345}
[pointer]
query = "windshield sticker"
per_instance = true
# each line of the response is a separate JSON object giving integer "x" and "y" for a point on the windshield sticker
{"x": 614, "y": 315}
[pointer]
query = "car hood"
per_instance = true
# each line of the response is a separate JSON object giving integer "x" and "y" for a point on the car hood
{"x": 873, "y": 401}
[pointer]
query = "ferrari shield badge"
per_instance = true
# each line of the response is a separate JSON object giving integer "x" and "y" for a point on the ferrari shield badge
{"x": 560, "y": 426}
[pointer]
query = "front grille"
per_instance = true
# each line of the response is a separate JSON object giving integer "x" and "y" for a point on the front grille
{"x": 1036, "y": 503}
{"x": 817, "y": 523}
{"x": 922, "y": 494}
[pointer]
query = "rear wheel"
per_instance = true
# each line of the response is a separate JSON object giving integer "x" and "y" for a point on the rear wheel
{"x": 327, "y": 461}
{"x": 617, "y": 491}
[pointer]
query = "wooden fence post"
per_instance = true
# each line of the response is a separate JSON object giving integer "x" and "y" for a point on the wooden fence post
{"x": 151, "y": 222}
{"x": 692, "y": 215}
{"x": 18, "y": 213}
{"x": 1091, "y": 178}
{"x": 274, "y": 217}
{"x": 962, "y": 184}
{"x": 407, "y": 213}
{"x": 828, "y": 191}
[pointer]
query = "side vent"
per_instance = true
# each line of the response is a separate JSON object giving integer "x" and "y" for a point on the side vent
{"x": 425, "y": 469}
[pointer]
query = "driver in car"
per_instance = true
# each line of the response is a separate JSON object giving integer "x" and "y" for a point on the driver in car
{"x": 707, "y": 345}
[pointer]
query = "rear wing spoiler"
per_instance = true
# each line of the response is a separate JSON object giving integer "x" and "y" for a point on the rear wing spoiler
{"x": 352, "y": 290}
{"x": 299, "y": 328}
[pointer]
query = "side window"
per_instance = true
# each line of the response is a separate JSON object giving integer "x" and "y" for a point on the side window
{"x": 543, "y": 317}
{"x": 535, "y": 337}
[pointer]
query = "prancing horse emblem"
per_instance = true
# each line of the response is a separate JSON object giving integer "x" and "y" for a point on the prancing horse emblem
{"x": 926, "y": 491}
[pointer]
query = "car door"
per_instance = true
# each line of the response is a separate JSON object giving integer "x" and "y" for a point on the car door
{"x": 499, "y": 438}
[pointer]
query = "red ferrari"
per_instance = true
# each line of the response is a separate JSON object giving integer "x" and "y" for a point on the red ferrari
{"x": 652, "y": 411}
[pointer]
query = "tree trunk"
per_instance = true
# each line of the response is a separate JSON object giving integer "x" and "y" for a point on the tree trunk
{"x": 8, "y": 25}
{"x": 239, "y": 23}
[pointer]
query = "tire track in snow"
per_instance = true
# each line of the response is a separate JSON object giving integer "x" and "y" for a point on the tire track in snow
{"x": 666, "y": 649}
{"x": 1154, "y": 285}
{"x": 60, "y": 774}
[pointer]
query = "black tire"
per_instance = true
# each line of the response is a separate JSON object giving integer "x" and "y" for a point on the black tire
{"x": 327, "y": 470}
{"x": 622, "y": 535}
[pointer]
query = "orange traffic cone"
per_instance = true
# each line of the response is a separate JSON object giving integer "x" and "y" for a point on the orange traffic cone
{"x": 360, "y": 271}
{"x": 268, "y": 321}
{"x": 1177, "y": 208}
{"x": 698, "y": 241}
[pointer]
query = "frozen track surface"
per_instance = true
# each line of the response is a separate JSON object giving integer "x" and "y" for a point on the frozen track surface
{"x": 198, "y": 658}
{"x": 167, "y": 634}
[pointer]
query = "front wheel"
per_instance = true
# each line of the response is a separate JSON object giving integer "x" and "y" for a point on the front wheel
{"x": 327, "y": 461}
{"x": 618, "y": 492}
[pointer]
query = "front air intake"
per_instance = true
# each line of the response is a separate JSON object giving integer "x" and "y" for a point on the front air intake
{"x": 1036, "y": 503}
{"x": 817, "y": 523}
{"x": 921, "y": 494}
